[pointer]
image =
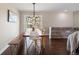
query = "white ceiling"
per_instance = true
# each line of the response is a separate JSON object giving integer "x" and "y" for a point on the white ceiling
{"x": 47, "y": 6}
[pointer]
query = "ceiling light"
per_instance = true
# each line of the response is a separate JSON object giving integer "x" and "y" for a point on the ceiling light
{"x": 34, "y": 17}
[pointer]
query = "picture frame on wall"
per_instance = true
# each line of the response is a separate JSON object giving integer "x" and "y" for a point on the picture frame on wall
{"x": 12, "y": 17}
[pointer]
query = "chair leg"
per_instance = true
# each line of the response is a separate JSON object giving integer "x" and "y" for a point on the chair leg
{"x": 36, "y": 46}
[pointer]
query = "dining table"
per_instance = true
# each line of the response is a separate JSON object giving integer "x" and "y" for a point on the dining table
{"x": 43, "y": 41}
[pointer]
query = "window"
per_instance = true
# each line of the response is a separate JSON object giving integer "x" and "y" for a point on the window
{"x": 28, "y": 21}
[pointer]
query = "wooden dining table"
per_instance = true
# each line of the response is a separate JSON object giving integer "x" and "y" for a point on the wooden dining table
{"x": 43, "y": 41}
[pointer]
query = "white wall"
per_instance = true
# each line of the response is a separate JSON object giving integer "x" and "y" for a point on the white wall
{"x": 51, "y": 19}
{"x": 76, "y": 19}
{"x": 60, "y": 19}
{"x": 8, "y": 31}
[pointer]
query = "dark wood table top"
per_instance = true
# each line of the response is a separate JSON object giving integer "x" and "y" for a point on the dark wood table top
{"x": 39, "y": 35}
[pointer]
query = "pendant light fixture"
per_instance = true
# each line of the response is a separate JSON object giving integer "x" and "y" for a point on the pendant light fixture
{"x": 33, "y": 18}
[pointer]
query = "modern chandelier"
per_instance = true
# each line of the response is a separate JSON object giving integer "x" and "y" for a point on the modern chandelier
{"x": 33, "y": 18}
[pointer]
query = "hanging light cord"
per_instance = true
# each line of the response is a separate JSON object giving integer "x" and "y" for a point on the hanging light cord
{"x": 33, "y": 9}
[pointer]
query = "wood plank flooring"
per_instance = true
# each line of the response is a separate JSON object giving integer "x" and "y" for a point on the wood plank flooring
{"x": 56, "y": 47}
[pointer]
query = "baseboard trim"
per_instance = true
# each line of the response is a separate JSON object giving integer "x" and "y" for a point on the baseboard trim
{"x": 1, "y": 51}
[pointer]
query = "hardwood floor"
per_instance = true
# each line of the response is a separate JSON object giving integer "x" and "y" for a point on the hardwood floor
{"x": 56, "y": 47}
{"x": 53, "y": 47}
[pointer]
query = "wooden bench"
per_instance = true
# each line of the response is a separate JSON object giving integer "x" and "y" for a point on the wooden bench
{"x": 16, "y": 44}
